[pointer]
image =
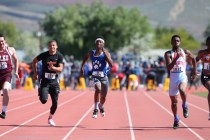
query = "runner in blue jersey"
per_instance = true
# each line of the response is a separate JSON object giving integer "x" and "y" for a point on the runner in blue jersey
{"x": 101, "y": 63}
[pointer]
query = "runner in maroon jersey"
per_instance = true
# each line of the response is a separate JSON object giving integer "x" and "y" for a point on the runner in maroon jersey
{"x": 7, "y": 54}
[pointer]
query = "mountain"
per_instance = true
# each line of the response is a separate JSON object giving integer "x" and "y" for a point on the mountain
{"x": 193, "y": 15}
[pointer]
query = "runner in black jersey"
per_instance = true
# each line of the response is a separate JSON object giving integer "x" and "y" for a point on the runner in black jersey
{"x": 52, "y": 65}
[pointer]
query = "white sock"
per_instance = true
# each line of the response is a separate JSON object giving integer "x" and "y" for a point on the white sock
{"x": 4, "y": 108}
{"x": 96, "y": 105}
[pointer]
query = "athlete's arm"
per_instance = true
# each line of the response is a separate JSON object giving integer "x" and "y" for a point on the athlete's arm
{"x": 199, "y": 56}
{"x": 15, "y": 59}
{"x": 34, "y": 64}
{"x": 83, "y": 63}
{"x": 108, "y": 57}
{"x": 169, "y": 63}
{"x": 191, "y": 56}
{"x": 56, "y": 69}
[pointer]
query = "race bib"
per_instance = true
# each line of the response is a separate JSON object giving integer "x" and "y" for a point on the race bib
{"x": 3, "y": 65}
{"x": 206, "y": 66}
{"x": 177, "y": 69}
{"x": 50, "y": 75}
{"x": 98, "y": 73}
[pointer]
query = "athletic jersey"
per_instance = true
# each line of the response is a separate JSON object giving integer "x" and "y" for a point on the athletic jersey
{"x": 5, "y": 61}
{"x": 46, "y": 58}
{"x": 100, "y": 66}
{"x": 178, "y": 72}
{"x": 206, "y": 62}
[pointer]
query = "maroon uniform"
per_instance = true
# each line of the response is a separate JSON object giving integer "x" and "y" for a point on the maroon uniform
{"x": 5, "y": 66}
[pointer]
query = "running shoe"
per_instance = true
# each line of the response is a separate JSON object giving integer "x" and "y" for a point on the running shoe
{"x": 51, "y": 122}
{"x": 176, "y": 125}
{"x": 3, "y": 115}
{"x": 185, "y": 112}
{"x": 102, "y": 111}
{"x": 95, "y": 113}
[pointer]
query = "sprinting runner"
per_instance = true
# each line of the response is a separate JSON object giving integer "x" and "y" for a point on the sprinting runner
{"x": 52, "y": 65}
{"x": 101, "y": 60}
{"x": 176, "y": 64}
{"x": 204, "y": 56}
{"x": 7, "y": 55}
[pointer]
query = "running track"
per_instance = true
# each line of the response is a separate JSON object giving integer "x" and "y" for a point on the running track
{"x": 130, "y": 115}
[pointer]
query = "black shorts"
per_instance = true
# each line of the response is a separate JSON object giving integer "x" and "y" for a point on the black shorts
{"x": 205, "y": 78}
{"x": 51, "y": 87}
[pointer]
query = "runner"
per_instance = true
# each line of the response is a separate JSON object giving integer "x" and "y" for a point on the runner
{"x": 7, "y": 55}
{"x": 101, "y": 60}
{"x": 52, "y": 65}
{"x": 176, "y": 64}
{"x": 204, "y": 56}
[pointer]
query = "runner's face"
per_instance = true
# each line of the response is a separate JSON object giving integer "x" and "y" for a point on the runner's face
{"x": 176, "y": 42}
{"x": 99, "y": 45}
{"x": 2, "y": 42}
{"x": 52, "y": 47}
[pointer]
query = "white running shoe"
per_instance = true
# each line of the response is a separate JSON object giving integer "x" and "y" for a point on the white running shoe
{"x": 95, "y": 113}
{"x": 51, "y": 122}
{"x": 102, "y": 111}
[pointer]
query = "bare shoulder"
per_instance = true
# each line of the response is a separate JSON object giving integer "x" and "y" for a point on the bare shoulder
{"x": 168, "y": 53}
{"x": 12, "y": 50}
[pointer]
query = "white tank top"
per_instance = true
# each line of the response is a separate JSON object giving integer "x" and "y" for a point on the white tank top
{"x": 179, "y": 70}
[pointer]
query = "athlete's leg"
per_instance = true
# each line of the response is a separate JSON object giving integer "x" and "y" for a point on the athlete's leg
{"x": 182, "y": 87}
{"x": 207, "y": 85}
{"x": 54, "y": 93}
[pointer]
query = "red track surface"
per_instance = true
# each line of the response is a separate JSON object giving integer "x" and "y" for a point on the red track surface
{"x": 130, "y": 115}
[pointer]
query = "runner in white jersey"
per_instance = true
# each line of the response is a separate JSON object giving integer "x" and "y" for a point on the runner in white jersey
{"x": 176, "y": 65}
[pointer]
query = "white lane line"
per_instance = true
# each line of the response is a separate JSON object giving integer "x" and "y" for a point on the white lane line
{"x": 77, "y": 124}
{"x": 169, "y": 112}
{"x": 129, "y": 116}
{"x": 2, "y": 134}
{"x": 195, "y": 106}
{"x": 22, "y": 106}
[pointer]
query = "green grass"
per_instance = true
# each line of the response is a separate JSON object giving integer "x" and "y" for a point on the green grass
{"x": 202, "y": 94}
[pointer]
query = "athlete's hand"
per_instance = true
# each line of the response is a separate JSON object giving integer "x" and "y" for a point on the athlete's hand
{"x": 17, "y": 76}
{"x": 35, "y": 76}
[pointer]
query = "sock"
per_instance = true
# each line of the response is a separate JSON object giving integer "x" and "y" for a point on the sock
{"x": 176, "y": 118}
{"x": 100, "y": 105}
{"x": 50, "y": 116}
{"x": 96, "y": 105}
{"x": 4, "y": 108}
{"x": 184, "y": 105}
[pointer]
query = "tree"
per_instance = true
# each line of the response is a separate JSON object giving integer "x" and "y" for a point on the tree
{"x": 163, "y": 38}
{"x": 8, "y": 29}
{"x": 75, "y": 27}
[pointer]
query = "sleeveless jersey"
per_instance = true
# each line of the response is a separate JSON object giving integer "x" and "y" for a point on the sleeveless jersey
{"x": 206, "y": 62}
{"x": 5, "y": 61}
{"x": 178, "y": 72}
{"x": 100, "y": 66}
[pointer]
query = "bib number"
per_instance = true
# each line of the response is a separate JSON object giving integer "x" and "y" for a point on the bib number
{"x": 206, "y": 66}
{"x": 98, "y": 73}
{"x": 3, "y": 65}
{"x": 50, "y": 76}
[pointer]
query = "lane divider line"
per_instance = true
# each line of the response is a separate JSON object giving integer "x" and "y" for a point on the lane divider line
{"x": 77, "y": 124}
{"x": 129, "y": 116}
{"x": 156, "y": 102}
{"x": 2, "y": 134}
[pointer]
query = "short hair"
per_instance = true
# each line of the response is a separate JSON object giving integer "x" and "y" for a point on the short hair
{"x": 172, "y": 38}
{"x": 1, "y": 35}
{"x": 208, "y": 39}
{"x": 51, "y": 41}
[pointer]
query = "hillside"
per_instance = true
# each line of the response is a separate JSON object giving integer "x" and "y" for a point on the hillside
{"x": 193, "y": 15}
